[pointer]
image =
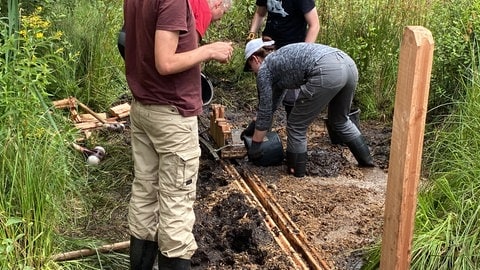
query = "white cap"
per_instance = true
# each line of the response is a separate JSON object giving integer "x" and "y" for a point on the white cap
{"x": 254, "y": 45}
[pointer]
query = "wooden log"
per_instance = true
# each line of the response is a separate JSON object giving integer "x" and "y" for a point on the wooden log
{"x": 90, "y": 251}
{"x": 64, "y": 103}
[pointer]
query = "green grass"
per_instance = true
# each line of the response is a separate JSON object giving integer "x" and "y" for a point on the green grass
{"x": 47, "y": 185}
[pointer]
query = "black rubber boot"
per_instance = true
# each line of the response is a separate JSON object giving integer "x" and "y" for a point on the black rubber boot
{"x": 360, "y": 151}
{"x": 297, "y": 162}
{"x": 142, "y": 254}
{"x": 165, "y": 263}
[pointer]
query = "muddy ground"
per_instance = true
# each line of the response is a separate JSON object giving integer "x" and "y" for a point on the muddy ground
{"x": 338, "y": 206}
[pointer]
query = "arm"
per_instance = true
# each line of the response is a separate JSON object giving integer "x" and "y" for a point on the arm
{"x": 313, "y": 25}
{"x": 167, "y": 61}
{"x": 258, "y": 18}
{"x": 264, "y": 111}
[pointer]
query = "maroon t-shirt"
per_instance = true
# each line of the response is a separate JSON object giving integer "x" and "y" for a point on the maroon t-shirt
{"x": 142, "y": 19}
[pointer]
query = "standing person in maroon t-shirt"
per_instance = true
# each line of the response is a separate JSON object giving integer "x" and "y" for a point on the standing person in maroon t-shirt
{"x": 162, "y": 61}
{"x": 204, "y": 11}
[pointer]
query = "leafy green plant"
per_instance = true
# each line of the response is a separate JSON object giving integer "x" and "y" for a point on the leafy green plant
{"x": 92, "y": 28}
{"x": 34, "y": 157}
{"x": 454, "y": 27}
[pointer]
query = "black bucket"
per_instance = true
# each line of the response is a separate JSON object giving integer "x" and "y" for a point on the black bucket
{"x": 121, "y": 42}
{"x": 272, "y": 149}
{"x": 207, "y": 90}
{"x": 354, "y": 115}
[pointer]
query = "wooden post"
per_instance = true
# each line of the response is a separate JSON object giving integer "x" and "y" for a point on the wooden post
{"x": 413, "y": 82}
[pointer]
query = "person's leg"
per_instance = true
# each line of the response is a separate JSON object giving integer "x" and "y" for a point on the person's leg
{"x": 176, "y": 141}
{"x": 143, "y": 207}
{"x": 312, "y": 100}
{"x": 321, "y": 87}
{"x": 289, "y": 99}
{"x": 338, "y": 115}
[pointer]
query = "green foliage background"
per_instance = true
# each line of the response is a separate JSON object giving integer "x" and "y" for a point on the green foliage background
{"x": 68, "y": 48}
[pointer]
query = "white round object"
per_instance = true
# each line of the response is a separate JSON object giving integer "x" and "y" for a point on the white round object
{"x": 100, "y": 150}
{"x": 93, "y": 160}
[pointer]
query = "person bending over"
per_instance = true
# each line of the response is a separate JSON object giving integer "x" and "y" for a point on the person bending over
{"x": 325, "y": 76}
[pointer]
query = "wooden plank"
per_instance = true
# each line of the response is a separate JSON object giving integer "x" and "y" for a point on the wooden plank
{"x": 406, "y": 148}
{"x": 292, "y": 232}
{"x": 121, "y": 110}
{"x": 86, "y": 117}
{"x": 87, "y": 125}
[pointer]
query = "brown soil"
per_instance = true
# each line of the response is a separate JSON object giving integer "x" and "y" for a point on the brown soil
{"x": 338, "y": 206}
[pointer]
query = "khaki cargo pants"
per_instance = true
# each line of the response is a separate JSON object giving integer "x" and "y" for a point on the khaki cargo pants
{"x": 166, "y": 155}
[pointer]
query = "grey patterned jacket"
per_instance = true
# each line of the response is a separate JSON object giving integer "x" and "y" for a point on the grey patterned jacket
{"x": 285, "y": 68}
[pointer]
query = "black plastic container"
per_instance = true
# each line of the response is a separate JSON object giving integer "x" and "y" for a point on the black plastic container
{"x": 207, "y": 90}
{"x": 272, "y": 149}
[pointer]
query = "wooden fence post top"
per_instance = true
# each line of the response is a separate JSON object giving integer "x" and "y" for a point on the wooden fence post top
{"x": 418, "y": 34}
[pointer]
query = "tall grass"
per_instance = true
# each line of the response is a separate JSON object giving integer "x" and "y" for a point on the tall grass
{"x": 92, "y": 28}
{"x": 371, "y": 31}
{"x": 34, "y": 155}
{"x": 447, "y": 232}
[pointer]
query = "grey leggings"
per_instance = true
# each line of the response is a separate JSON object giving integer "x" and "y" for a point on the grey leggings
{"x": 332, "y": 82}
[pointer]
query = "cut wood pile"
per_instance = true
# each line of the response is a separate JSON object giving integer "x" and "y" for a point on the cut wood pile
{"x": 86, "y": 120}
{"x": 226, "y": 139}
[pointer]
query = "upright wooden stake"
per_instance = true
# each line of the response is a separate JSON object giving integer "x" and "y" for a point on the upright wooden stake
{"x": 411, "y": 98}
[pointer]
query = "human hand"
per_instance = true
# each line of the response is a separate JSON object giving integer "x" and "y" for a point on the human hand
{"x": 255, "y": 152}
{"x": 221, "y": 51}
{"x": 249, "y": 130}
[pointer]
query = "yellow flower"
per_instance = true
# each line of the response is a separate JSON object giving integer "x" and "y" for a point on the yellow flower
{"x": 58, "y": 35}
{"x": 39, "y": 35}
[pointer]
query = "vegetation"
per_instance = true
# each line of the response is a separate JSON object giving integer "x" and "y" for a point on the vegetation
{"x": 54, "y": 49}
